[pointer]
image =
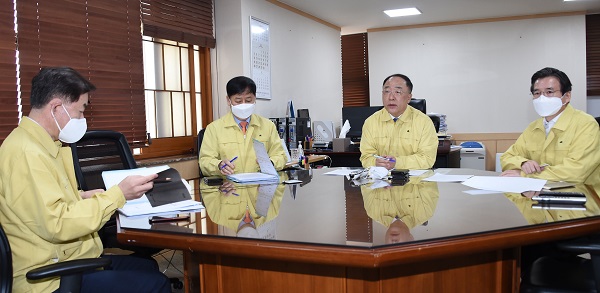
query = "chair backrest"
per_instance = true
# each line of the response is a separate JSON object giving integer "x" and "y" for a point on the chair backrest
{"x": 418, "y": 104}
{"x": 98, "y": 151}
{"x": 199, "y": 145}
{"x": 436, "y": 122}
{"x": 598, "y": 120}
{"x": 199, "y": 140}
{"x": 6, "y": 271}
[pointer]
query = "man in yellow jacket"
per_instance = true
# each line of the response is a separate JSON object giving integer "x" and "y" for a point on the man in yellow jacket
{"x": 45, "y": 217}
{"x": 563, "y": 145}
{"x": 227, "y": 146}
{"x": 398, "y": 136}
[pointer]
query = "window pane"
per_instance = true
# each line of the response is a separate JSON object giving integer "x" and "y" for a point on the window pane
{"x": 185, "y": 71}
{"x": 197, "y": 71}
{"x": 179, "y": 119}
{"x": 150, "y": 72}
{"x": 150, "y": 114}
{"x": 198, "y": 112}
{"x": 163, "y": 115}
{"x": 172, "y": 68}
{"x": 188, "y": 114}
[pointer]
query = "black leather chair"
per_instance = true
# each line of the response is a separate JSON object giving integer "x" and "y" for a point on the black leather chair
{"x": 566, "y": 271}
{"x": 98, "y": 151}
{"x": 199, "y": 145}
{"x": 104, "y": 150}
{"x": 419, "y": 104}
{"x": 70, "y": 272}
{"x": 436, "y": 122}
{"x": 598, "y": 120}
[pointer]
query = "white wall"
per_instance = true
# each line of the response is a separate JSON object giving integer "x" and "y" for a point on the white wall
{"x": 593, "y": 106}
{"x": 479, "y": 74}
{"x": 305, "y": 59}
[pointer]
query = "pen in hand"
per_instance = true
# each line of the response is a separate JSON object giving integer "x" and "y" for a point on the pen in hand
{"x": 384, "y": 158}
{"x": 230, "y": 161}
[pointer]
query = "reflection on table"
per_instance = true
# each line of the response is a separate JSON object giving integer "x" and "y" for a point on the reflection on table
{"x": 330, "y": 234}
{"x": 401, "y": 208}
{"x": 244, "y": 210}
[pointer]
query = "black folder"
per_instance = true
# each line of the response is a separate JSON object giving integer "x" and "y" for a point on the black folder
{"x": 168, "y": 188}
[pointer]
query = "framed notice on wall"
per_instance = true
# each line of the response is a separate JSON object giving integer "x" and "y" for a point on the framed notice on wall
{"x": 260, "y": 57}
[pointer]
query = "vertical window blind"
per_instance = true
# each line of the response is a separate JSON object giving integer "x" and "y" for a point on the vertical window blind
{"x": 100, "y": 39}
{"x": 9, "y": 110}
{"x": 355, "y": 70}
{"x": 186, "y": 21}
{"x": 592, "y": 28}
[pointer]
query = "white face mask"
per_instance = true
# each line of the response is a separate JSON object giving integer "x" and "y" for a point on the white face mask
{"x": 243, "y": 111}
{"x": 547, "y": 106}
{"x": 73, "y": 130}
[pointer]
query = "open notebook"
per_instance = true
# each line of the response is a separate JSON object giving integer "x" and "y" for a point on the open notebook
{"x": 267, "y": 170}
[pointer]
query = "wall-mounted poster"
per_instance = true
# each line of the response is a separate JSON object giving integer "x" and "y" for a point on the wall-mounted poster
{"x": 260, "y": 57}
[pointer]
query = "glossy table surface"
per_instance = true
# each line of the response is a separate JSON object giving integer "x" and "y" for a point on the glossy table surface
{"x": 332, "y": 211}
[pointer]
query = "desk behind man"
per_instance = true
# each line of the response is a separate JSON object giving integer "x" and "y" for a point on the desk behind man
{"x": 403, "y": 137}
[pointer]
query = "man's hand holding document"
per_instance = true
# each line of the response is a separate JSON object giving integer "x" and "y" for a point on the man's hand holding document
{"x": 169, "y": 194}
{"x": 267, "y": 170}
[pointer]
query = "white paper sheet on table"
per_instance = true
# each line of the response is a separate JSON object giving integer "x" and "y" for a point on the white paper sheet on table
{"x": 437, "y": 177}
{"x": 505, "y": 184}
{"x": 417, "y": 172}
{"x": 341, "y": 171}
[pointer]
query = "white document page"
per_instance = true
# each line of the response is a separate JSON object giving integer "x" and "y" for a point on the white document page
{"x": 505, "y": 184}
{"x": 417, "y": 172}
{"x": 142, "y": 206}
{"x": 437, "y": 177}
{"x": 343, "y": 171}
{"x": 267, "y": 170}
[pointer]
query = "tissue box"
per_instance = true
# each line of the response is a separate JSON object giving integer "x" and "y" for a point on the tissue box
{"x": 341, "y": 144}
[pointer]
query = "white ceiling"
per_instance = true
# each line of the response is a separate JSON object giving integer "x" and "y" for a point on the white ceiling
{"x": 355, "y": 16}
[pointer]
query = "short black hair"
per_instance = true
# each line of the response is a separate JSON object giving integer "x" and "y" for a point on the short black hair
{"x": 565, "y": 82}
{"x": 61, "y": 82}
{"x": 406, "y": 79}
{"x": 239, "y": 85}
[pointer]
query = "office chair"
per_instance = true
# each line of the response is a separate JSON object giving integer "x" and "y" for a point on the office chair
{"x": 598, "y": 120}
{"x": 199, "y": 145}
{"x": 419, "y": 104}
{"x": 104, "y": 150}
{"x": 70, "y": 272}
{"x": 568, "y": 272}
{"x": 98, "y": 151}
{"x": 436, "y": 122}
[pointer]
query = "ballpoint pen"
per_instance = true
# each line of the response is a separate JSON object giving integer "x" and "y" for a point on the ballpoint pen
{"x": 384, "y": 158}
{"x": 230, "y": 161}
{"x": 162, "y": 180}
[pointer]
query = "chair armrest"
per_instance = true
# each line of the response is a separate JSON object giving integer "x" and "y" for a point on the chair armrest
{"x": 65, "y": 268}
{"x": 590, "y": 244}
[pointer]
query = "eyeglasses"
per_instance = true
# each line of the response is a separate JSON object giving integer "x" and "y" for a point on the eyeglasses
{"x": 395, "y": 93}
{"x": 547, "y": 93}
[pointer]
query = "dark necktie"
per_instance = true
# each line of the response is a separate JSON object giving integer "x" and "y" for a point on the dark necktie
{"x": 395, "y": 119}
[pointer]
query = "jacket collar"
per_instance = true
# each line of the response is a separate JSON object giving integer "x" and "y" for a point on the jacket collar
{"x": 42, "y": 136}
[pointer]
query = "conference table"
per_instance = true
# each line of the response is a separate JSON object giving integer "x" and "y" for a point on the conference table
{"x": 330, "y": 234}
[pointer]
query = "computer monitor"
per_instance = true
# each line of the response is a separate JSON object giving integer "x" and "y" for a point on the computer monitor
{"x": 356, "y": 116}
